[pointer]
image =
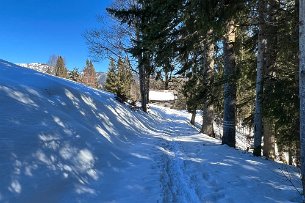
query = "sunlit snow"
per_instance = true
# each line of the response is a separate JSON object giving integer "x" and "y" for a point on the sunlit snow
{"x": 61, "y": 141}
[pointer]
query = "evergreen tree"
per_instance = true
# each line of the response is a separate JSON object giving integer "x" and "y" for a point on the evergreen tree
{"x": 89, "y": 75}
{"x": 111, "y": 83}
{"x": 75, "y": 75}
{"x": 302, "y": 87}
{"x": 207, "y": 86}
{"x": 125, "y": 78}
{"x": 119, "y": 79}
{"x": 190, "y": 92}
{"x": 271, "y": 30}
{"x": 138, "y": 15}
{"x": 259, "y": 35}
{"x": 60, "y": 68}
{"x": 128, "y": 77}
{"x": 280, "y": 80}
{"x": 229, "y": 120}
{"x": 261, "y": 49}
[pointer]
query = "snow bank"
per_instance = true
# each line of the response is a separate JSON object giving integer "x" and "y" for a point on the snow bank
{"x": 61, "y": 141}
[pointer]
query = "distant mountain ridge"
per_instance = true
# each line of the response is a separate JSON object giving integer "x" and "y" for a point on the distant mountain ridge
{"x": 44, "y": 68}
{"x": 101, "y": 78}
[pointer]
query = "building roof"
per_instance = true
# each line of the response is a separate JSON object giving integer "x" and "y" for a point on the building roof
{"x": 161, "y": 95}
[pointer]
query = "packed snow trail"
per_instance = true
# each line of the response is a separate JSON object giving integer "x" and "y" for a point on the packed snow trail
{"x": 175, "y": 182}
{"x": 198, "y": 169}
{"x": 61, "y": 141}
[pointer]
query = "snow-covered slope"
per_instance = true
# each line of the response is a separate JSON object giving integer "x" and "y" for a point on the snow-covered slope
{"x": 61, "y": 141}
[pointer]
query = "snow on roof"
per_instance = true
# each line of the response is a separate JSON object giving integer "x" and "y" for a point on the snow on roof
{"x": 161, "y": 95}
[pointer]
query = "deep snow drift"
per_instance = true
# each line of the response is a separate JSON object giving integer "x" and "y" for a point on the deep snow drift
{"x": 63, "y": 142}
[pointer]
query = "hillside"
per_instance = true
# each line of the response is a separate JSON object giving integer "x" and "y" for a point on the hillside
{"x": 64, "y": 142}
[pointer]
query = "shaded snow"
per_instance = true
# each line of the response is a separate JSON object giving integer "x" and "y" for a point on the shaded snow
{"x": 61, "y": 141}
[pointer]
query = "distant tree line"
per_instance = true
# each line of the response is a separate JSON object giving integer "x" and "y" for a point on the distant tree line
{"x": 119, "y": 79}
{"x": 87, "y": 76}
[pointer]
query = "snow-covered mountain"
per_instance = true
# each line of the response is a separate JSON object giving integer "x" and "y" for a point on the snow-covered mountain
{"x": 61, "y": 141}
{"x": 101, "y": 78}
{"x": 44, "y": 68}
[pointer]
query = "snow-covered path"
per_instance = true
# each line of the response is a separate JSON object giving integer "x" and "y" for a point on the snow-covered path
{"x": 197, "y": 168}
{"x": 176, "y": 183}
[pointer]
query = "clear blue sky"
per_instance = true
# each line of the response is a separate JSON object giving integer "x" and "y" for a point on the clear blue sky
{"x": 33, "y": 30}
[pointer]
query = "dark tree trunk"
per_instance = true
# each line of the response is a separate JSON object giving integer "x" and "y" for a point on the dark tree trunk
{"x": 229, "y": 87}
{"x": 269, "y": 139}
{"x": 143, "y": 87}
{"x": 208, "y": 109}
{"x": 271, "y": 30}
{"x": 261, "y": 46}
{"x": 166, "y": 80}
{"x": 207, "y": 121}
{"x": 141, "y": 65}
{"x": 143, "y": 83}
{"x": 302, "y": 87}
{"x": 193, "y": 117}
{"x": 147, "y": 84}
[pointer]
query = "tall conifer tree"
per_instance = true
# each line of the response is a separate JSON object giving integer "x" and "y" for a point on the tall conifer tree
{"x": 261, "y": 47}
{"x": 229, "y": 120}
{"x": 302, "y": 87}
{"x": 111, "y": 79}
{"x": 89, "y": 74}
{"x": 60, "y": 68}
